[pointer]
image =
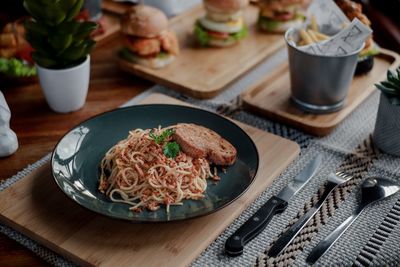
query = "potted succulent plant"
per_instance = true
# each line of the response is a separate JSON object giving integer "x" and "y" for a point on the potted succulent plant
{"x": 61, "y": 51}
{"x": 387, "y": 128}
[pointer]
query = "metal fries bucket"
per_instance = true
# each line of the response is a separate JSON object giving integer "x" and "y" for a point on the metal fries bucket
{"x": 319, "y": 84}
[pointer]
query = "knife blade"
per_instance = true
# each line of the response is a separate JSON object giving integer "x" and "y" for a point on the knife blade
{"x": 277, "y": 204}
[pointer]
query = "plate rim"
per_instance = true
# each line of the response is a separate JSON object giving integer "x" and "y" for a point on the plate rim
{"x": 136, "y": 220}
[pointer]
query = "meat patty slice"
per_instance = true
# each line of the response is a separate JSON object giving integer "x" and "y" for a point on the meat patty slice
{"x": 200, "y": 142}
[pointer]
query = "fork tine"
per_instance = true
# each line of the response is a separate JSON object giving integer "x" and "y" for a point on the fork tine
{"x": 343, "y": 175}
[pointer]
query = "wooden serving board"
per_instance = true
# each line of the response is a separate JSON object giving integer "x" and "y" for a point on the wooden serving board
{"x": 271, "y": 97}
{"x": 204, "y": 72}
{"x": 36, "y": 207}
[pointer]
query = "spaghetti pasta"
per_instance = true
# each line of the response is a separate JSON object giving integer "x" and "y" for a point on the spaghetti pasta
{"x": 137, "y": 172}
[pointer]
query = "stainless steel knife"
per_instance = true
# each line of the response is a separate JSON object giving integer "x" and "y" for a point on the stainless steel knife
{"x": 275, "y": 205}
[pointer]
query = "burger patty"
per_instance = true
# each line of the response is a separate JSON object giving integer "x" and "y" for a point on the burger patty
{"x": 152, "y": 46}
{"x": 200, "y": 142}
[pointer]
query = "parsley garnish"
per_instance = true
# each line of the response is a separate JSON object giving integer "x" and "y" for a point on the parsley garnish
{"x": 171, "y": 149}
{"x": 161, "y": 138}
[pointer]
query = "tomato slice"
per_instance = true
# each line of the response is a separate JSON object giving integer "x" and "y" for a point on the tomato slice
{"x": 218, "y": 35}
{"x": 25, "y": 53}
{"x": 285, "y": 15}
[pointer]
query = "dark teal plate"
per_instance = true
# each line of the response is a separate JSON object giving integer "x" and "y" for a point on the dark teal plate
{"x": 76, "y": 159}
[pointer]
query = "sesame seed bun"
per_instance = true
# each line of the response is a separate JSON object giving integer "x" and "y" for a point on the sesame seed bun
{"x": 144, "y": 21}
{"x": 225, "y": 6}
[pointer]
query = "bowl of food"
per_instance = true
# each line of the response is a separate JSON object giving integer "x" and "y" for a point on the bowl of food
{"x": 155, "y": 163}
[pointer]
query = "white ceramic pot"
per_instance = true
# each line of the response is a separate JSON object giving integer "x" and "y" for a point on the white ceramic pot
{"x": 65, "y": 89}
{"x": 387, "y": 128}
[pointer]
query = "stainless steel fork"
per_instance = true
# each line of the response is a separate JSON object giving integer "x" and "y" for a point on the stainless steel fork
{"x": 334, "y": 180}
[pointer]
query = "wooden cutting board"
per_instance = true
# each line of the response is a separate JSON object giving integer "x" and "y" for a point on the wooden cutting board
{"x": 270, "y": 97}
{"x": 37, "y": 208}
{"x": 204, "y": 72}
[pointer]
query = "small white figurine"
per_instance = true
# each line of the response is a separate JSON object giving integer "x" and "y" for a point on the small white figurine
{"x": 8, "y": 139}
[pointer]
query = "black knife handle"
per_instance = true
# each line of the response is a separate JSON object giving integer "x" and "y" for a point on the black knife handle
{"x": 285, "y": 239}
{"x": 253, "y": 226}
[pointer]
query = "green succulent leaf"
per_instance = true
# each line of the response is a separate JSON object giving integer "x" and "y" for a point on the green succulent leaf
{"x": 43, "y": 60}
{"x": 61, "y": 42}
{"x": 89, "y": 46}
{"x": 85, "y": 29}
{"x": 54, "y": 14}
{"x": 34, "y": 9}
{"x": 68, "y": 27}
{"x": 67, "y": 4}
{"x": 58, "y": 39}
{"x": 391, "y": 87}
{"x": 389, "y": 84}
{"x": 388, "y": 91}
{"x": 74, "y": 11}
{"x": 36, "y": 28}
{"x": 393, "y": 78}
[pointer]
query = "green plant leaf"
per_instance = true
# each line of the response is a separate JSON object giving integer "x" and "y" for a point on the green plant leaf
{"x": 34, "y": 9}
{"x": 74, "y": 11}
{"x": 67, "y": 4}
{"x": 61, "y": 42}
{"x": 393, "y": 78}
{"x": 43, "y": 61}
{"x": 389, "y": 84}
{"x": 387, "y": 91}
{"x": 89, "y": 46}
{"x": 54, "y": 14}
{"x": 68, "y": 27}
{"x": 36, "y": 28}
{"x": 85, "y": 29}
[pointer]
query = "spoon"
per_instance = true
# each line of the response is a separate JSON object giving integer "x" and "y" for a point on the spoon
{"x": 372, "y": 190}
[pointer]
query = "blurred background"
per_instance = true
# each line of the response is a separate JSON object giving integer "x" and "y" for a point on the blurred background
{"x": 383, "y": 15}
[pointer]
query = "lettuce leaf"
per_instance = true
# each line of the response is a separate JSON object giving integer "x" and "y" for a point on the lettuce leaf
{"x": 126, "y": 54}
{"x": 240, "y": 34}
{"x": 268, "y": 24}
{"x": 16, "y": 68}
{"x": 203, "y": 37}
{"x": 201, "y": 34}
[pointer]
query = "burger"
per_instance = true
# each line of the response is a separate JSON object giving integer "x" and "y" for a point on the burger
{"x": 223, "y": 23}
{"x": 279, "y": 15}
{"x": 146, "y": 38}
{"x": 366, "y": 57}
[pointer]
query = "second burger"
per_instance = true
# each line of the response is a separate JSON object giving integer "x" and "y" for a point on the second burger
{"x": 147, "y": 40}
{"x": 223, "y": 23}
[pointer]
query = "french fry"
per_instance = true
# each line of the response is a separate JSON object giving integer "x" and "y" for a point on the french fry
{"x": 320, "y": 36}
{"x": 312, "y": 35}
{"x": 301, "y": 43}
{"x": 314, "y": 25}
{"x": 306, "y": 37}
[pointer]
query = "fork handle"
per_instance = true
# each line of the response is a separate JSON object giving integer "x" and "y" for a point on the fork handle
{"x": 327, "y": 243}
{"x": 285, "y": 239}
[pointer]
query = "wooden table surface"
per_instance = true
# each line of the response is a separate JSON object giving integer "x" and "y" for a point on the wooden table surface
{"x": 38, "y": 128}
